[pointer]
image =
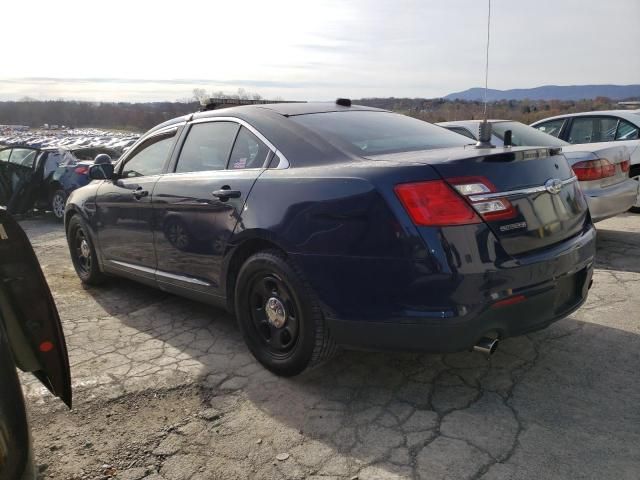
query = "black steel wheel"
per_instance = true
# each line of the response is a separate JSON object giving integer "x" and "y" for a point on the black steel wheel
{"x": 82, "y": 252}
{"x": 279, "y": 316}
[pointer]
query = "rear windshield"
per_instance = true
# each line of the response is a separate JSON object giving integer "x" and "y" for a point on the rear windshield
{"x": 373, "y": 133}
{"x": 525, "y": 136}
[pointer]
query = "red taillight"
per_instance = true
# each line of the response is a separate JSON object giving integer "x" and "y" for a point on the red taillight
{"x": 46, "y": 346}
{"x": 594, "y": 169}
{"x": 624, "y": 166}
{"x": 434, "y": 203}
{"x": 81, "y": 170}
{"x": 490, "y": 209}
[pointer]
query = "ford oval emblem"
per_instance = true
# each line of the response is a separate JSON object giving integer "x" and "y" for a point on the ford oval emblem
{"x": 553, "y": 186}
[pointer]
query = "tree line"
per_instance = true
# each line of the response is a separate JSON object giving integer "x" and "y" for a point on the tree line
{"x": 142, "y": 116}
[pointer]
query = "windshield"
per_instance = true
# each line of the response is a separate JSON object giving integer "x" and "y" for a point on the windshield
{"x": 373, "y": 133}
{"x": 525, "y": 136}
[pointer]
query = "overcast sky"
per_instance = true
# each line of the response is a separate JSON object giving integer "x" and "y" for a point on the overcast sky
{"x": 315, "y": 50}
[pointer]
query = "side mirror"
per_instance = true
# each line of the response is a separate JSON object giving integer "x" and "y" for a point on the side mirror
{"x": 102, "y": 171}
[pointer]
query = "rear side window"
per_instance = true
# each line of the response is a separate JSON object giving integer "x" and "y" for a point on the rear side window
{"x": 4, "y": 155}
{"x": 592, "y": 129}
{"x": 373, "y": 133}
{"x": 626, "y": 131}
{"x": 462, "y": 131}
{"x": 551, "y": 127}
{"x": 248, "y": 151}
{"x": 207, "y": 147}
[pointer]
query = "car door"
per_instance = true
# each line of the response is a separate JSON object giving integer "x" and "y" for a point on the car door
{"x": 22, "y": 180}
{"x": 198, "y": 206}
{"x": 28, "y": 313}
{"x": 123, "y": 207}
{"x": 5, "y": 178}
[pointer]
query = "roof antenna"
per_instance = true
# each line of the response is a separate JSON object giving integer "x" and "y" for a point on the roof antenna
{"x": 484, "y": 134}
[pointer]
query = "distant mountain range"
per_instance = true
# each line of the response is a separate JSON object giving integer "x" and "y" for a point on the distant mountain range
{"x": 551, "y": 92}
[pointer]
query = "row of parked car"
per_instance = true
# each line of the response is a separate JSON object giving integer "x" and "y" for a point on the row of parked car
{"x": 40, "y": 169}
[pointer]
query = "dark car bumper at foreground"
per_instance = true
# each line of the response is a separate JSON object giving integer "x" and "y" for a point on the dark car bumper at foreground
{"x": 518, "y": 297}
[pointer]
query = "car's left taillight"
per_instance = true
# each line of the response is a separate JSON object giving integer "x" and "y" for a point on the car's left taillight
{"x": 82, "y": 170}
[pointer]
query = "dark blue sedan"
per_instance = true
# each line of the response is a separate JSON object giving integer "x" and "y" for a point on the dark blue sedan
{"x": 322, "y": 225}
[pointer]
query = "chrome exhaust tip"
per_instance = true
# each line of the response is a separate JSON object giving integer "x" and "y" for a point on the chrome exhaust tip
{"x": 486, "y": 345}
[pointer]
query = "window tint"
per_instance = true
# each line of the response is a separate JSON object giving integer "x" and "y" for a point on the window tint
{"x": 248, "y": 151}
{"x": 150, "y": 158}
{"x": 23, "y": 156}
{"x": 373, "y": 133}
{"x": 462, "y": 131}
{"x": 207, "y": 147}
{"x": 552, "y": 127}
{"x": 524, "y": 135}
{"x": 592, "y": 129}
{"x": 4, "y": 155}
{"x": 626, "y": 131}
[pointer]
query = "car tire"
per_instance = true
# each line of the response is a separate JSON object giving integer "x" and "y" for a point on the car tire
{"x": 83, "y": 253}
{"x": 279, "y": 316}
{"x": 635, "y": 174}
{"x": 58, "y": 201}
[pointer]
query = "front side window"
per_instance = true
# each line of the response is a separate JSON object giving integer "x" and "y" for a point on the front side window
{"x": 4, "y": 155}
{"x": 626, "y": 131}
{"x": 207, "y": 147}
{"x": 150, "y": 158}
{"x": 367, "y": 133}
{"x": 24, "y": 157}
{"x": 552, "y": 127}
{"x": 248, "y": 151}
{"x": 462, "y": 131}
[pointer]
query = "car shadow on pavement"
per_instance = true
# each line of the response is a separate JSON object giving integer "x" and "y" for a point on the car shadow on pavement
{"x": 567, "y": 389}
{"x": 618, "y": 250}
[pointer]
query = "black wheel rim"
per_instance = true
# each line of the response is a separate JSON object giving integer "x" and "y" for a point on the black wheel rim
{"x": 275, "y": 318}
{"x": 83, "y": 252}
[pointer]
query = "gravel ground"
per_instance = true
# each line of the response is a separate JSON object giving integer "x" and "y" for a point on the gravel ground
{"x": 164, "y": 388}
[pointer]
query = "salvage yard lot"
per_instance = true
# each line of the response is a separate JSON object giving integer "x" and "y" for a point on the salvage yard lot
{"x": 164, "y": 388}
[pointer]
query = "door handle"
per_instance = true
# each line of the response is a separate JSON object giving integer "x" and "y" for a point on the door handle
{"x": 138, "y": 193}
{"x": 225, "y": 193}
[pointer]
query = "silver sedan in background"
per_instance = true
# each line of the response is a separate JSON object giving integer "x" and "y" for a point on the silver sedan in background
{"x": 601, "y": 168}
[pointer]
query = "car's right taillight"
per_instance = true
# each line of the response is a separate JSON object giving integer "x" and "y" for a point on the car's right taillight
{"x": 624, "y": 166}
{"x": 594, "y": 169}
{"x": 435, "y": 203}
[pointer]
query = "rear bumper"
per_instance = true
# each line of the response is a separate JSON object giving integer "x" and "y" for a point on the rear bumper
{"x": 396, "y": 305}
{"x": 610, "y": 201}
{"x": 544, "y": 305}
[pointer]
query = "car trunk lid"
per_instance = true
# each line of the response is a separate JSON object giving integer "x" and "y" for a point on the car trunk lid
{"x": 529, "y": 197}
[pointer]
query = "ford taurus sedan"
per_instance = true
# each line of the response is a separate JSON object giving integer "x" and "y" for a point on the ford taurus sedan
{"x": 322, "y": 225}
{"x": 602, "y": 168}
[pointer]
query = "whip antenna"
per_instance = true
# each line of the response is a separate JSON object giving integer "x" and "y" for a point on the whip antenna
{"x": 484, "y": 134}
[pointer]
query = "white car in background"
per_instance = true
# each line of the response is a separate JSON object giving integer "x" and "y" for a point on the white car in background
{"x": 602, "y": 168}
{"x": 619, "y": 126}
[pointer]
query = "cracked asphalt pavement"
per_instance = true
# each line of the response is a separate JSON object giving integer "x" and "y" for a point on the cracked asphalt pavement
{"x": 164, "y": 388}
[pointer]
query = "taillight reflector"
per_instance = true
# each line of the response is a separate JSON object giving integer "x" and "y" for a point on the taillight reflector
{"x": 594, "y": 169}
{"x": 509, "y": 301}
{"x": 46, "y": 346}
{"x": 435, "y": 203}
